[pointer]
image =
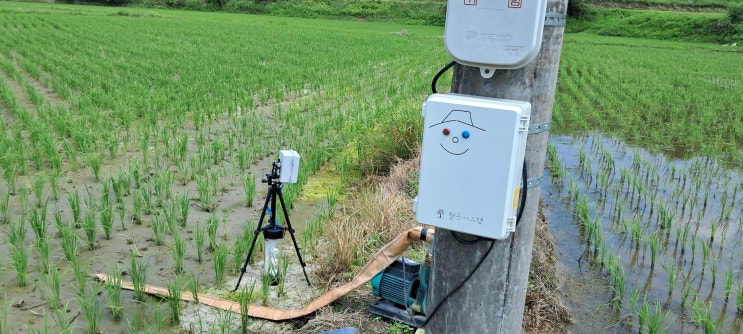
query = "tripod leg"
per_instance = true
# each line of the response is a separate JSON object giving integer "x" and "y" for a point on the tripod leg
{"x": 255, "y": 238}
{"x": 291, "y": 232}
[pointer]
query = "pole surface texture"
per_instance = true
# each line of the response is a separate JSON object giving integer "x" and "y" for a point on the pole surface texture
{"x": 492, "y": 301}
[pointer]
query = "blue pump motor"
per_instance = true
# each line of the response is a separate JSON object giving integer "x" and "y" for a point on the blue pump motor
{"x": 398, "y": 283}
{"x": 402, "y": 288}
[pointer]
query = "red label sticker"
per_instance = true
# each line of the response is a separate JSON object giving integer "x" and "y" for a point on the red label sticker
{"x": 470, "y": 2}
{"x": 514, "y": 3}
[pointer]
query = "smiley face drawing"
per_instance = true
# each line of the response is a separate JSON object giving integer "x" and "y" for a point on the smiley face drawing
{"x": 457, "y": 130}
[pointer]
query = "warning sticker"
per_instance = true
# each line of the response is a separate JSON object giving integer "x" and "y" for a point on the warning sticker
{"x": 471, "y": 2}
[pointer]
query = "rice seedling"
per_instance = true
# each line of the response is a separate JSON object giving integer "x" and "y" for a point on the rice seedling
{"x": 69, "y": 242}
{"x": 204, "y": 190}
{"x": 705, "y": 252}
{"x": 137, "y": 201}
{"x": 183, "y": 204}
{"x": 267, "y": 279}
{"x": 51, "y": 287}
{"x": 199, "y": 238}
{"x": 23, "y": 197}
{"x": 637, "y": 230}
{"x": 59, "y": 314}
{"x": 116, "y": 186}
{"x": 654, "y": 242}
{"x": 728, "y": 283}
{"x": 88, "y": 300}
{"x": 311, "y": 234}
{"x": 138, "y": 273}
{"x": 331, "y": 197}
{"x": 4, "y": 202}
{"x": 80, "y": 271}
{"x": 11, "y": 178}
{"x": 174, "y": 299}
{"x": 249, "y": 188}
{"x": 113, "y": 293}
{"x": 652, "y": 318}
{"x": 211, "y": 230}
{"x": 671, "y": 270}
{"x": 107, "y": 218}
{"x": 90, "y": 228}
{"x": 220, "y": 264}
{"x": 703, "y": 316}
{"x": 179, "y": 251}
{"x": 135, "y": 174}
{"x": 193, "y": 285}
{"x": 74, "y": 200}
{"x": 161, "y": 186}
{"x": 42, "y": 245}
{"x": 686, "y": 292}
{"x": 17, "y": 235}
{"x": 158, "y": 230}
{"x": 239, "y": 252}
{"x": 170, "y": 214}
{"x": 224, "y": 322}
{"x": 283, "y": 269}
{"x": 245, "y": 297}
{"x": 38, "y": 223}
{"x": 619, "y": 278}
{"x": 39, "y": 189}
{"x": 121, "y": 210}
{"x": 95, "y": 160}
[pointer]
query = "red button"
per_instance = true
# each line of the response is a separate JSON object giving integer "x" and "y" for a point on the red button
{"x": 446, "y": 131}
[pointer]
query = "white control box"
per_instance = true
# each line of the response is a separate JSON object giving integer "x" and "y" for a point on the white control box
{"x": 289, "y": 166}
{"x": 494, "y": 33}
{"x": 471, "y": 162}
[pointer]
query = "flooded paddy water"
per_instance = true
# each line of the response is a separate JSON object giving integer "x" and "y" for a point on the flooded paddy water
{"x": 646, "y": 242}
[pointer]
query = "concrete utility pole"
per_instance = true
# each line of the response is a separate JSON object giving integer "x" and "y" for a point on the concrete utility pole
{"x": 492, "y": 301}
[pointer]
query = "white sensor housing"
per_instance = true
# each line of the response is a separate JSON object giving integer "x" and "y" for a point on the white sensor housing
{"x": 503, "y": 34}
{"x": 471, "y": 162}
{"x": 289, "y": 166}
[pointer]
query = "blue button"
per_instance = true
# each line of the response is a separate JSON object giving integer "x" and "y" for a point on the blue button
{"x": 465, "y": 134}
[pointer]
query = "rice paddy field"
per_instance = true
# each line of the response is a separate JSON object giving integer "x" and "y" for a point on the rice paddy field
{"x": 132, "y": 142}
{"x": 645, "y": 161}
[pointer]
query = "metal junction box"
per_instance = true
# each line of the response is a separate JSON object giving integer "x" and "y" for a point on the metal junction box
{"x": 503, "y": 34}
{"x": 471, "y": 162}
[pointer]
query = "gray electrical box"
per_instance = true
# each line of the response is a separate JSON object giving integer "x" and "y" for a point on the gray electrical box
{"x": 471, "y": 162}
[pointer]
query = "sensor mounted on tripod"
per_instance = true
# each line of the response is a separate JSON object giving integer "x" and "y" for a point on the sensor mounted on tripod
{"x": 283, "y": 171}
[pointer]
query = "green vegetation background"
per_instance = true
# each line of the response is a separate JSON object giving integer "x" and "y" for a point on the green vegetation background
{"x": 712, "y": 21}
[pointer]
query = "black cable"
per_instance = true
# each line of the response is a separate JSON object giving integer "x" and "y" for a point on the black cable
{"x": 439, "y": 74}
{"x": 430, "y": 315}
{"x": 464, "y": 241}
{"x": 525, "y": 186}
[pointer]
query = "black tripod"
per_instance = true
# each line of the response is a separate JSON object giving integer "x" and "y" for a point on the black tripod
{"x": 273, "y": 231}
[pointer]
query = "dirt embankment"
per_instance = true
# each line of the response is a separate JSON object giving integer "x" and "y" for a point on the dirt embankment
{"x": 544, "y": 312}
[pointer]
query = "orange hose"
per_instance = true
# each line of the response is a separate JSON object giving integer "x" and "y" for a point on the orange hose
{"x": 383, "y": 258}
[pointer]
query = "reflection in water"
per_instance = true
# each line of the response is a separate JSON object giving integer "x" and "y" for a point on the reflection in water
{"x": 645, "y": 240}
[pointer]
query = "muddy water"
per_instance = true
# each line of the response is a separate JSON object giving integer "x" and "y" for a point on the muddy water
{"x": 690, "y": 208}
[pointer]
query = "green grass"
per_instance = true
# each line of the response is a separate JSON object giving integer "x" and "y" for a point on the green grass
{"x": 350, "y": 91}
{"x": 684, "y": 95}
